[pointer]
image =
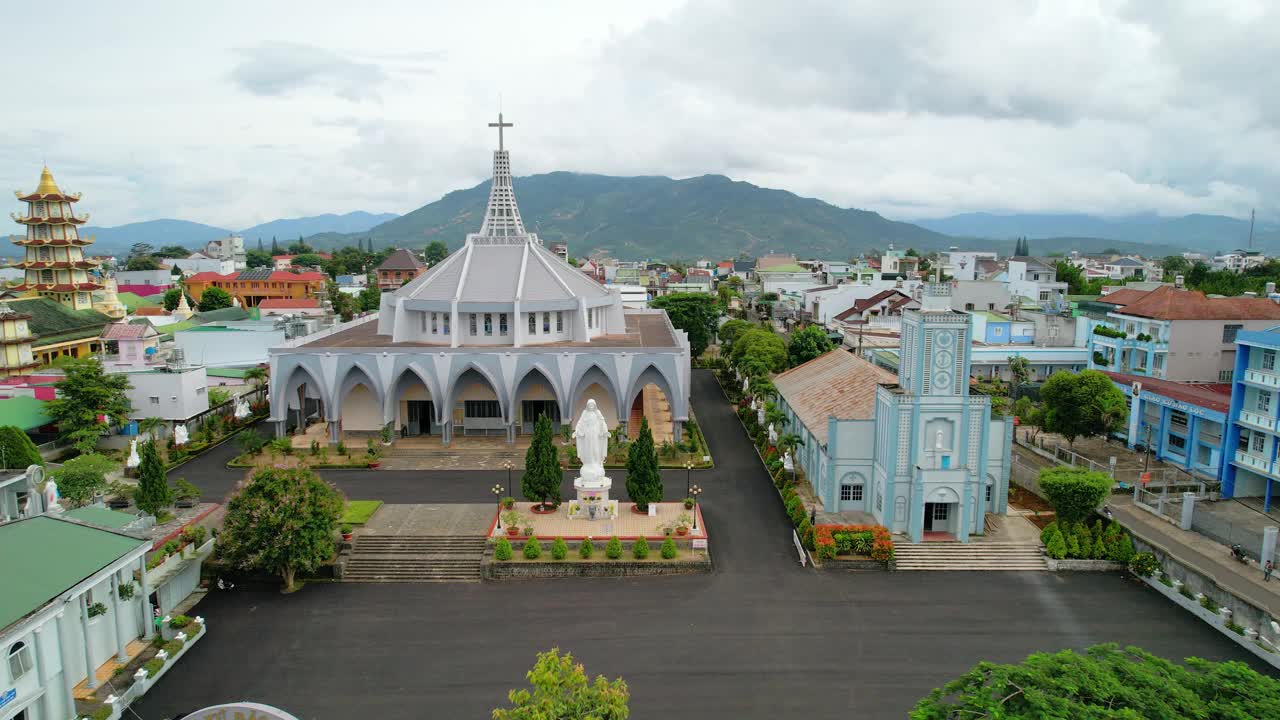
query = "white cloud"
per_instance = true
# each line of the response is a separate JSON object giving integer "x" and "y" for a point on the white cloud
{"x": 912, "y": 109}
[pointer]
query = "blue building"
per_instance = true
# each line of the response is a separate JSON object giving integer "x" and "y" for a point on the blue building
{"x": 1252, "y": 437}
{"x": 1183, "y": 424}
{"x": 920, "y": 455}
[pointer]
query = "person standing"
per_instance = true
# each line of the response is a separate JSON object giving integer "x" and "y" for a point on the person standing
{"x": 1266, "y": 571}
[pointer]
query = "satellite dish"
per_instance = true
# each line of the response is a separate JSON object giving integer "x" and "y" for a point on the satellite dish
{"x": 257, "y": 711}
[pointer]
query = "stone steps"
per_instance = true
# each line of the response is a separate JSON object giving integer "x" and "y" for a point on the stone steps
{"x": 415, "y": 558}
{"x": 1004, "y": 556}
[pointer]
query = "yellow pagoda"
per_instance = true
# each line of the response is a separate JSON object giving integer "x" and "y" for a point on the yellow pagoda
{"x": 55, "y": 265}
{"x": 15, "y": 342}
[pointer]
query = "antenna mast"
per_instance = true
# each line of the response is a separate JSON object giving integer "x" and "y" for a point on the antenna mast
{"x": 1251, "y": 213}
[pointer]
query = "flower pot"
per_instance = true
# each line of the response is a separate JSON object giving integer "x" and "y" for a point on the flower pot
{"x": 346, "y": 537}
{"x": 682, "y": 531}
{"x": 374, "y": 464}
{"x": 513, "y": 531}
{"x": 688, "y": 505}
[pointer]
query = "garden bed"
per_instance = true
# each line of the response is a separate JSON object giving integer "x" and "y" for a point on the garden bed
{"x": 685, "y": 562}
{"x": 140, "y": 674}
{"x": 358, "y": 512}
{"x": 852, "y": 562}
{"x": 1070, "y": 565}
{"x": 344, "y": 462}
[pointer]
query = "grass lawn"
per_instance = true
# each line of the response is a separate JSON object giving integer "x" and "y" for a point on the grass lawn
{"x": 358, "y": 512}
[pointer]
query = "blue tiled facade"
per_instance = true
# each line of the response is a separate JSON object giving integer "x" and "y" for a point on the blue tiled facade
{"x": 1253, "y": 437}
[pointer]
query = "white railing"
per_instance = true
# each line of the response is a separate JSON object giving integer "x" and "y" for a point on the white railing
{"x": 304, "y": 339}
{"x": 1262, "y": 377}
{"x": 1257, "y": 420}
{"x": 1253, "y": 461}
{"x": 804, "y": 556}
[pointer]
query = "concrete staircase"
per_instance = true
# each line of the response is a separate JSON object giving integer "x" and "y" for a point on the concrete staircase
{"x": 969, "y": 556}
{"x": 415, "y": 558}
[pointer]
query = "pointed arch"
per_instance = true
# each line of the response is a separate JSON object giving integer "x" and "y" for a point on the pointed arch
{"x": 287, "y": 383}
{"x": 651, "y": 374}
{"x": 464, "y": 382}
{"x": 358, "y": 400}
{"x": 402, "y": 386}
{"x": 594, "y": 383}
{"x": 535, "y": 381}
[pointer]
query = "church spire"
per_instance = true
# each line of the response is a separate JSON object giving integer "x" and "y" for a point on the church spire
{"x": 502, "y": 217}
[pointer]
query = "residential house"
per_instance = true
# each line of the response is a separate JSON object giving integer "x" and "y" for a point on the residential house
{"x": 199, "y": 262}
{"x": 1037, "y": 280}
{"x": 398, "y": 269}
{"x": 1253, "y": 434}
{"x": 1182, "y": 424}
{"x": 251, "y": 287}
{"x": 1239, "y": 260}
{"x": 967, "y": 265}
{"x": 284, "y": 262}
{"x": 275, "y": 307}
{"x": 895, "y": 264}
{"x": 228, "y": 248}
{"x": 1176, "y": 334}
{"x": 1129, "y": 268}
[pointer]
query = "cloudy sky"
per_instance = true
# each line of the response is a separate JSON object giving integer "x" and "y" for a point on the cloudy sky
{"x": 233, "y": 113}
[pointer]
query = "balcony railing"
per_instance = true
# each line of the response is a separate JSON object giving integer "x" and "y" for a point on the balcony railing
{"x": 1257, "y": 420}
{"x": 1256, "y": 462}
{"x": 1262, "y": 377}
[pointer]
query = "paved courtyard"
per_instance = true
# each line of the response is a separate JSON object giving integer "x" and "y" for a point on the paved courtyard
{"x": 760, "y": 637}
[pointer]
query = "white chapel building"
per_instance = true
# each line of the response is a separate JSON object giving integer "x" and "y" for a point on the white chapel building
{"x": 496, "y": 335}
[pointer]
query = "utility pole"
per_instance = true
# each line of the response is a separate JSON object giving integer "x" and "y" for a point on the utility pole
{"x": 1251, "y": 218}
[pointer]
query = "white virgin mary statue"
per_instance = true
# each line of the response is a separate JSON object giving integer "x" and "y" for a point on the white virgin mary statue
{"x": 591, "y": 435}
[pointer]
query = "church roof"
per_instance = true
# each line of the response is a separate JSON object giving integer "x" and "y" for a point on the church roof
{"x": 502, "y": 262}
{"x": 837, "y": 384}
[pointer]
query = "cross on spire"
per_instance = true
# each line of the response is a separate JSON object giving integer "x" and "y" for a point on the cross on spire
{"x": 500, "y": 125}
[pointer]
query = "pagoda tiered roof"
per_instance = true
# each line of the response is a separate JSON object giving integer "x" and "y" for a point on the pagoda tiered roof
{"x": 54, "y": 264}
{"x": 51, "y": 242}
{"x": 47, "y": 190}
{"x": 49, "y": 219}
{"x": 59, "y": 287}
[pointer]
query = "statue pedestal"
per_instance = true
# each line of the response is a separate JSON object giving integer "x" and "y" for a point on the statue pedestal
{"x": 593, "y": 496}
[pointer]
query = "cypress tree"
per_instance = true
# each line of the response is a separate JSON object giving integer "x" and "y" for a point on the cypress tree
{"x": 541, "y": 480}
{"x": 259, "y": 244}
{"x": 644, "y": 482}
{"x": 275, "y": 245}
{"x": 17, "y": 451}
{"x": 153, "y": 490}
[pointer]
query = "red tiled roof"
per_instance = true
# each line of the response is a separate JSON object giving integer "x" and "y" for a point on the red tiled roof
{"x": 1170, "y": 303}
{"x": 1123, "y": 296}
{"x": 402, "y": 259}
{"x": 151, "y": 312}
{"x": 289, "y": 304}
{"x": 125, "y": 331}
{"x": 861, "y": 306}
{"x": 836, "y": 384}
{"x": 1212, "y": 396}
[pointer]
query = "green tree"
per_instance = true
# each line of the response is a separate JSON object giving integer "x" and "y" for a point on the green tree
{"x": 173, "y": 296}
{"x": 17, "y": 451}
{"x": 759, "y": 351}
{"x": 370, "y": 298}
{"x": 1020, "y": 370}
{"x": 806, "y": 344}
{"x": 82, "y": 477}
{"x": 300, "y": 248}
{"x": 307, "y": 260}
{"x": 284, "y": 521}
{"x": 694, "y": 313}
{"x": 559, "y": 690}
{"x": 172, "y": 251}
{"x": 1082, "y": 404}
{"x": 150, "y": 425}
{"x": 1105, "y": 682}
{"x": 258, "y": 259}
{"x": 142, "y": 262}
{"x": 1074, "y": 493}
{"x": 541, "y": 480}
{"x": 435, "y": 252}
{"x": 644, "y": 481}
{"x": 275, "y": 246}
{"x": 214, "y": 299}
{"x": 731, "y": 329}
{"x": 84, "y": 394}
{"x": 1174, "y": 265}
{"x": 256, "y": 375}
{"x": 153, "y": 491}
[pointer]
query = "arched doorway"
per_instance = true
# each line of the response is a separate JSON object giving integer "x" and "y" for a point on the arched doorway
{"x": 303, "y": 399}
{"x": 359, "y": 404}
{"x": 477, "y": 406}
{"x": 535, "y": 397}
{"x": 415, "y": 412}
{"x": 595, "y": 385}
{"x": 650, "y": 399}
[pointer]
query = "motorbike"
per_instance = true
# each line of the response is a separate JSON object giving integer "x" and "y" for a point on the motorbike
{"x": 1237, "y": 552}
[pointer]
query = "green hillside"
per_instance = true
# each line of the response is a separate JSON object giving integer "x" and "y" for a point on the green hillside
{"x": 639, "y": 217}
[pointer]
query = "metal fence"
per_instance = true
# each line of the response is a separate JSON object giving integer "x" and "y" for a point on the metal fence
{"x": 1249, "y": 536}
{"x": 1161, "y": 501}
{"x": 1124, "y": 477}
{"x": 226, "y": 410}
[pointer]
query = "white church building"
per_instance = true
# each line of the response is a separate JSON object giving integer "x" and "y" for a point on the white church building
{"x": 496, "y": 335}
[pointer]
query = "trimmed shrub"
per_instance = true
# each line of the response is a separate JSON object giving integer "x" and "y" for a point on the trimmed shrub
{"x": 19, "y": 450}
{"x": 1084, "y": 540}
{"x": 1074, "y": 493}
{"x": 173, "y": 646}
{"x": 179, "y": 621}
{"x": 668, "y": 549}
{"x": 1144, "y": 564}
{"x": 532, "y": 549}
{"x": 1073, "y": 545}
{"x": 1121, "y": 549}
{"x": 640, "y": 549}
{"x": 1056, "y": 548}
{"x": 613, "y": 549}
{"x": 585, "y": 549}
{"x": 559, "y": 549}
{"x": 1048, "y": 531}
{"x": 1208, "y": 603}
{"x": 153, "y": 666}
{"x": 502, "y": 550}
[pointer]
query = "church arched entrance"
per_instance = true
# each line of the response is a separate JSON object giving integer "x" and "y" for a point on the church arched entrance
{"x": 651, "y": 400}
{"x": 303, "y": 399}
{"x": 358, "y": 403}
{"x": 477, "y": 407}
{"x": 536, "y": 397}
{"x": 414, "y": 410}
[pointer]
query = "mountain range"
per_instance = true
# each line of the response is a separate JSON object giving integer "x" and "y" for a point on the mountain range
{"x": 118, "y": 239}
{"x": 710, "y": 216}
{"x": 1204, "y": 233}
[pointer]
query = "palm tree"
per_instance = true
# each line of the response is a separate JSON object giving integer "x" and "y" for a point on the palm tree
{"x": 1020, "y": 370}
{"x": 257, "y": 376}
{"x": 762, "y": 387}
{"x": 789, "y": 441}
{"x": 150, "y": 425}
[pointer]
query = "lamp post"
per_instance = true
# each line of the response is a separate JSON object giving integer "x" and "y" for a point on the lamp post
{"x": 509, "y": 467}
{"x": 497, "y": 495}
{"x": 694, "y": 492}
{"x": 688, "y": 476}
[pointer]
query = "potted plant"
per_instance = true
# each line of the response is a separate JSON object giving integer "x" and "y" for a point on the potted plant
{"x": 185, "y": 494}
{"x": 682, "y": 524}
{"x": 688, "y": 503}
{"x": 118, "y": 495}
{"x": 508, "y": 503}
{"x": 386, "y": 434}
{"x": 346, "y": 532}
{"x": 511, "y": 520}
{"x": 528, "y": 531}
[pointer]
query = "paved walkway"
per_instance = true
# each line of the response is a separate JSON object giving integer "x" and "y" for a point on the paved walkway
{"x": 1208, "y": 557}
{"x": 626, "y": 525}
{"x": 437, "y": 519}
